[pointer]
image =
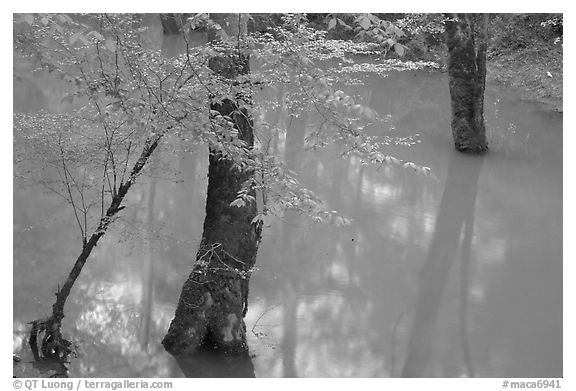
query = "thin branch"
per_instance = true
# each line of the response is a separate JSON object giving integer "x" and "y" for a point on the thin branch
{"x": 128, "y": 150}
{"x": 67, "y": 184}
{"x": 84, "y": 207}
{"x": 114, "y": 207}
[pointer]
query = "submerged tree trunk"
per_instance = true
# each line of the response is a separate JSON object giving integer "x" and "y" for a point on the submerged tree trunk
{"x": 213, "y": 302}
{"x": 467, "y": 73}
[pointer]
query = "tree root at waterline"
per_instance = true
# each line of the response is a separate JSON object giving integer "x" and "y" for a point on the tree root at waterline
{"x": 209, "y": 314}
{"x": 54, "y": 346}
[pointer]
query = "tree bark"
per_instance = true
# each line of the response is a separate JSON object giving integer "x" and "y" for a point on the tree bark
{"x": 467, "y": 73}
{"x": 214, "y": 298}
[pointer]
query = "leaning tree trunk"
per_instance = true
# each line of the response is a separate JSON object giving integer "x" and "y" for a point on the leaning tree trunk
{"x": 54, "y": 345}
{"x": 213, "y": 302}
{"x": 467, "y": 73}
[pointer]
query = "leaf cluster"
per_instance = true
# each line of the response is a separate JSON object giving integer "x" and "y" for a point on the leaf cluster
{"x": 129, "y": 90}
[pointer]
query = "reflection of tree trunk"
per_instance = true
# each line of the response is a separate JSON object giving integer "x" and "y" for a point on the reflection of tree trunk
{"x": 467, "y": 73}
{"x": 208, "y": 362}
{"x": 457, "y": 204}
{"x": 273, "y": 119}
{"x": 172, "y": 23}
{"x": 172, "y": 38}
{"x": 170, "y": 45}
{"x": 339, "y": 174}
{"x": 290, "y": 332}
{"x": 464, "y": 280}
{"x": 148, "y": 286}
{"x": 209, "y": 316}
{"x": 295, "y": 134}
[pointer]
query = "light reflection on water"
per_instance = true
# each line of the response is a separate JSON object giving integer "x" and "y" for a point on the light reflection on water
{"x": 378, "y": 264}
{"x": 338, "y": 301}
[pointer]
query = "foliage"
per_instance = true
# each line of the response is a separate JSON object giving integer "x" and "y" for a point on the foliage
{"x": 369, "y": 28}
{"x": 129, "y": 91}
{"x": 126, "y": 97}
{"x": 555, "y": 24}
{"x": 520, "y": 31}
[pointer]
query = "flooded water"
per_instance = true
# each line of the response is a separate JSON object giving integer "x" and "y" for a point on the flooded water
{"x": 454, "y": 275}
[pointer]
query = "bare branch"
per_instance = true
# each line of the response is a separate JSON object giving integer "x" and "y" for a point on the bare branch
{"x": 69, "y": 190}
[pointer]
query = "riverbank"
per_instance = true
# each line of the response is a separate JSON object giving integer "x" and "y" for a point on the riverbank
{"x": 533, "y": 73}
{"x": 525, "y": 54}
{"x": 525, "y": 51}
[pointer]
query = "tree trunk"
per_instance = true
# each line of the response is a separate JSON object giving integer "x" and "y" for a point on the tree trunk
{"x": 213, "y": 302}
{"x": 467, "y": 73}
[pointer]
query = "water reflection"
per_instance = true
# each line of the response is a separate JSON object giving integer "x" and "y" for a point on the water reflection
{"x": 456, "y": 213}
{"x": 416, "y": 286}
{"x": 374, "y": 274}
{"x": 207, "y": 363}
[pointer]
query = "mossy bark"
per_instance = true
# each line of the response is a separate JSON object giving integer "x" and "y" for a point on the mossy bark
{"x": 214, "y": 298}
{"x": 467, "y": 73}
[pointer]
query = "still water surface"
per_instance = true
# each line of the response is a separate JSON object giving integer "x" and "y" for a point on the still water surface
{"x": 454, "y": 275}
